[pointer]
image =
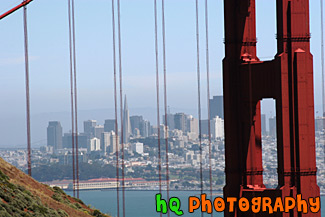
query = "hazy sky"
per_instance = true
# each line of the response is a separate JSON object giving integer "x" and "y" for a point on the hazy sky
{"x": 49, "y": 54}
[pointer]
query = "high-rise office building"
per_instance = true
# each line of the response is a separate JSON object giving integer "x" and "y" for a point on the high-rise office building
{"x": 88, "y": 127}
{"x": 83, "y": 140}
{"x": 109, "y": 125}
{"x": 204, "y": 127}
{"x": 272, "y": 127}
{"x": 217, "y": 128}
{"x": 216, "y": 107}
{"x": 54, "y": 135}
{"x": 170, "y": 121}
{"x": 98, "y": 130}
{"x": 126, "y": 122}
{"x": 180, "y": 121}
{"x": 145, "y": 128}
{"x": 105, "y": 141}
{"x": 135, "y": 121}
{"x": 112, "y": 147}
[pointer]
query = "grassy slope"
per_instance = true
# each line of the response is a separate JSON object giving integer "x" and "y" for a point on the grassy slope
{"x": 21, "y": 195}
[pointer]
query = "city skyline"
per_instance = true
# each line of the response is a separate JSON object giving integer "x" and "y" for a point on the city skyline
{"x": 40, "y": 121}
{"x": 95, "y": 72}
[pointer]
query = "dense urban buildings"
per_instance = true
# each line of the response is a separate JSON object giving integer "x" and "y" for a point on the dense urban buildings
{"x": 99, "y": 143}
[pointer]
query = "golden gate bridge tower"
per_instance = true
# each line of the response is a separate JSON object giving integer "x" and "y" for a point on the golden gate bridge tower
{"x": 288, "y": 79}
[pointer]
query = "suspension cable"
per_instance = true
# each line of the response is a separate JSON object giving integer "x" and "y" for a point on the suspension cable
{"x": 199, "y": 92}
{"x": 157, "y": 89}
{"x": 121, "y": 101}
{"x": 208, "y": 93}
{"x": 322, "y": 56}
{"x": 323, "y": 76}
{"x": 29, "y": 161}
{"x": 75, "y": 96}
{"x": 165, "y": 95}
{"x": 115, "y": 107}
{"x": 72, "y": 99}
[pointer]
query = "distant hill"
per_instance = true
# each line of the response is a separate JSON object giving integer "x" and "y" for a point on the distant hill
{"x": 21, "y": 195}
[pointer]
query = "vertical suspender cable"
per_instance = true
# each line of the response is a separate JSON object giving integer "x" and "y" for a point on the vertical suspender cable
{"x": 29, "y": 161}
{"x": 157, "y": 89}
{"x": 165, "y": 95}
{"x": 75, "y": 97}
{"x": 121, "y": 100}
{"x": 322, "y": 56}
{"x": 207, "y": 56}
{"x": 72, "y": 99}
{"x": 115, "y": 106}
{"x": 199, "y": 92}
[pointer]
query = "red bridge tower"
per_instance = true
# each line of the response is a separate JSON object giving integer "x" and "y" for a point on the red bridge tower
{"x": 288, "y": 79}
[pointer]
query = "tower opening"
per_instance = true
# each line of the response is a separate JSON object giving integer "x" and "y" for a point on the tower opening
{"x": 269, "y": 143}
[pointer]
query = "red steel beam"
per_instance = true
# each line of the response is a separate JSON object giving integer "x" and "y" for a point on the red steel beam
{"x": 24, "y": 3}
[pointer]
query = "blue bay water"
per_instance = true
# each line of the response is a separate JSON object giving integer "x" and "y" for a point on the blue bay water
{"x": 142, "y": 203}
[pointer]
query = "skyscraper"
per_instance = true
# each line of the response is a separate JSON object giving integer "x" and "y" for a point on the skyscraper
{"x": 97, "y": 131}
{"x": 113, "y": 139}
{"x": 83, "y": 141}
{"x": 170, "y": 121}
{"x": 217, "y": 128}
{"x": 88, "y": 127}
{"x": 145, "y": 128}
{"x": 216, "y": 107}
{"x": 272, "y": 127}
{"x": 105, "y": 141}
{"x": 204, "y": 127}
{"x": 126, "y": 122}
{"x": 109, "y": 125}
{"x": 135, "y": 122}
{"x": 180, "y": 121}
{"x": 54, "y": 135}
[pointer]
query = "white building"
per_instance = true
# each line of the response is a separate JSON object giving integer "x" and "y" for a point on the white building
{"x": 94, "y": 145}
{"x": 113, "y": 139}
{"x": 217, "y": 127}
{"x": 137, "y": 147}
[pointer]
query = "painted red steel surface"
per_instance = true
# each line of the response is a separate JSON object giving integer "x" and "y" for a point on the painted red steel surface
{"x": 24, "y": 3}
{"x": 288, "y": 79}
